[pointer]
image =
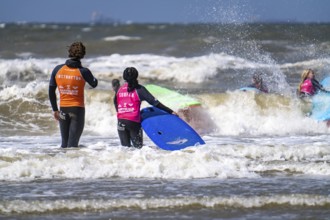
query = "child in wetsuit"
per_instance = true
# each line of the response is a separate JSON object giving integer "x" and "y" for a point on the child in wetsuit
{"x": 127, "y": 101}
{"x": 308, "y": 85}
{"x": 258, "y": 83}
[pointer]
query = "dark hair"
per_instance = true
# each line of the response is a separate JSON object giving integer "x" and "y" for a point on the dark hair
{"x": 130, "y": 75}
{"x": 257, "y": 77}
{"x": 115, "y": 84}
{"x": 77, "y": 50}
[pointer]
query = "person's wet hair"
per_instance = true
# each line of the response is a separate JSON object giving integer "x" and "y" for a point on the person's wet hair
{"x": 305, "y": 73}
{"x": 130, "y": 75}
{"x": 77, "y": 50}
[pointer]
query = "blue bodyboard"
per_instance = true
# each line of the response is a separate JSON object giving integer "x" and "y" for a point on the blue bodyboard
{"x": 321, "y": 103}
{"x": 245, "y": 89}
{"x": 168, "y": 131}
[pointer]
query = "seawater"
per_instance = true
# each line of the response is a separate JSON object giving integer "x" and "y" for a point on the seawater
{"x": 265, "y": 159}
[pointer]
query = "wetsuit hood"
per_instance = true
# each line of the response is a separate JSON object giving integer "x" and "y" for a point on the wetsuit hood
{"x": 73, "y": 63}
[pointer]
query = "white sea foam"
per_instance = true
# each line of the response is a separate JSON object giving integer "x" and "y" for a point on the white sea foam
{"x": 26, "y": 159}
{"x": 155, "y": 67}
{"x": 195, "y": 69}
{"x": 234, "y": 113}
{"x": 120, "y": 37}
{"x": 45, "y": 206}
{"x": 254, "y": 114}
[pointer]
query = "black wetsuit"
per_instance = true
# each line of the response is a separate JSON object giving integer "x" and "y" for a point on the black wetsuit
{"x": 72, "y": 122}
{"x": 262, "y": 88}
{"x": 317, "y": 86}
{"x": 130, "y": 131}
{"x": 72, "y": 119}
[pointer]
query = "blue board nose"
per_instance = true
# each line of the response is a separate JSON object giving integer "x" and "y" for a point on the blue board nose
{"x": 168, "y": 131}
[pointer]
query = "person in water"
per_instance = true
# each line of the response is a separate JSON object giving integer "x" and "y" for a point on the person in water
{"x": 127, "y": 102}
{"x": 115, "y": 85}
{"x": 70, "y": 79}
{"x": 308, "y": 85}
{"x": 257, "y": 82}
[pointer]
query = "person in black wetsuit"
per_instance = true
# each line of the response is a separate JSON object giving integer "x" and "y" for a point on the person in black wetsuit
{"x": 258, "y": 83}
{"x": 70, "y": 79}
{"x": 127, "y": 102}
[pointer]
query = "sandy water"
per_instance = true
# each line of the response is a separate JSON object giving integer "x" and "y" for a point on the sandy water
{"x": 264, "y": 160}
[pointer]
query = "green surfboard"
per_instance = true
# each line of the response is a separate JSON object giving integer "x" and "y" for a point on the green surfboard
{"x": 171, "y": 98}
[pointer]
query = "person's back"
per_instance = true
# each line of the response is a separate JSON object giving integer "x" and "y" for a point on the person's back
{"x": 70, "y": 80}
{"x": 128, "y": 104}
{"x": 307, "y": 88}
{"x": 127, "y": 101}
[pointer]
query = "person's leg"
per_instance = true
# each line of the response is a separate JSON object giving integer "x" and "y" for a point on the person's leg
{"x": 137, "y": 137}
{"x": 135, "y": 133}
{"x": 123, "y": 134}
{"x": 77, "y": 116}
{"x": 64, "y": 128}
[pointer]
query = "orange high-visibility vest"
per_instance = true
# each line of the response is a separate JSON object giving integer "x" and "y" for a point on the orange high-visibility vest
{"x": 71, "y": 86}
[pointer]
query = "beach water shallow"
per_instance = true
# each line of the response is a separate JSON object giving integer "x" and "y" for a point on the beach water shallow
{"x": 228, "y": 178}
{"x": 263, "y": 159}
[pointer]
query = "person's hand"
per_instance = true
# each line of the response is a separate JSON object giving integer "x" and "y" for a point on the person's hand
{"x": 57, "y": 115}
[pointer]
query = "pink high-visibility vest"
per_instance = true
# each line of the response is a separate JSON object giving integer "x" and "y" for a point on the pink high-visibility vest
{"x": 128, "y": 104}
{"x": 307, "y": 87}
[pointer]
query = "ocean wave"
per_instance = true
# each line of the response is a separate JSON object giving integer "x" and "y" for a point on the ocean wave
{"x": 199, "y": 69}
{"x": 121, "y": 37}
{"x": 232, "y": 112}
{"x": 220, "y": 158}
{"x": 24, "y": 94}
{"x": 17, "y": 206}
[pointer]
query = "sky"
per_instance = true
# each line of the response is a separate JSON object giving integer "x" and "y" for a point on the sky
{"x": 164, "y": 11}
